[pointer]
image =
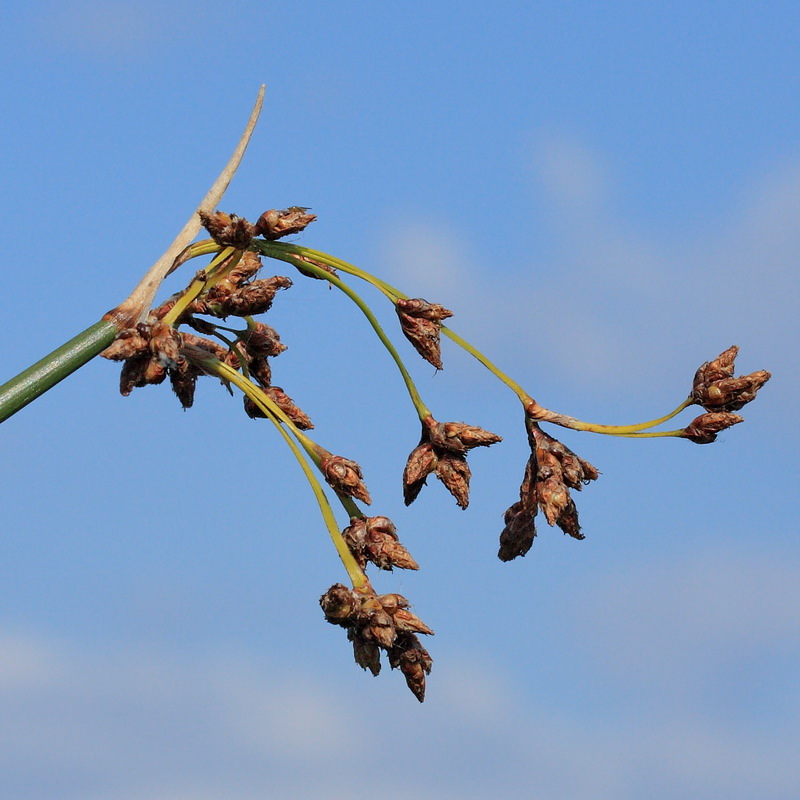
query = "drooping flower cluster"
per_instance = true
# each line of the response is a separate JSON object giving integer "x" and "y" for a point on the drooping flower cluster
{"x": 552, "y": 470}
{"x": 155, "y": 349}
{"x": 442, "y": 451}
{"x": 381, "y": 622}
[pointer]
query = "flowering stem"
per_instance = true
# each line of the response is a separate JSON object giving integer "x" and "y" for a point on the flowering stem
{"x": 269, "y": 249}
{"x": 64, "y": 360}
{"x": 530, "y": 405}
{"x": 46, "y": 373}
{"x": 214, "y": 366}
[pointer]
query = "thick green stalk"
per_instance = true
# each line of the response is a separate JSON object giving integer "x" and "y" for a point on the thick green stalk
{"x": 45, "y": 374}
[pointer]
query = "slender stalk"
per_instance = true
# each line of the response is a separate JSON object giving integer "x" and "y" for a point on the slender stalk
{"x": 269, "y": 249}
{"x": 531, "y": 406}
{"x": 214, "y": 366}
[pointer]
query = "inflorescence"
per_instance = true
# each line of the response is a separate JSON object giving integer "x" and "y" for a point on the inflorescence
{"x": 185, "y": 338}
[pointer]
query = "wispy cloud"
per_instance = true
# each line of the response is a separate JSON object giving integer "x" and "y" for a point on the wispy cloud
{"x": 137, "y": 723}
{"x": 616, "y": 304}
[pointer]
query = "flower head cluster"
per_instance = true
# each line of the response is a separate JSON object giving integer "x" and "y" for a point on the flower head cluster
{"x": 551, "y": 472}
{"x": 442, "y": 451}
{"x": 720, "y": 393}
{"x": 154, "y": 349}
{"x": 421, "y": 323}
{"x": 381, "y": 622}
{"x": 375, "y": 540}
{"x": 229, "y": 287}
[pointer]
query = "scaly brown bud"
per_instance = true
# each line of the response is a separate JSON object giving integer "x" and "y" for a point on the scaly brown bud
{"x": 421, "y": 462}
{"x": 340, "y": 604}
{"x": 520, "y": 531}
{"x": 715, "y": 389}
{"x": 228, "y": 230}
{"x": 289, "y": 407}
{"x": 367, "y": 654}
{"x": 421, "y": 323}
{"x": 345, "y": 476}
{"x": 274, "y": 224}
{"x": 458, "y": 437}
{"x": 248, "y": 300}
{"x": 375, "y": 539}
{"x": 184, "y": 381}
{"x": 568, "y": 521}
{"x": 317, "y": 264}
{"x": 248, "y": 266}
{"x": 128, "y": 343}
{"x": 209, "y": 345}
{"x": 454, "y": 472}
{"x": 261, "y": 341}
{"x": 413, "y": 660}
{"x": 704, "y": 429}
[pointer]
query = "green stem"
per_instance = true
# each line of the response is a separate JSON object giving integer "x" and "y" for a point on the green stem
{"x": 222, "y": 370}
{"x": 537, "y": 411}
{"x": 46, "y": 373}
{"x": 269, "y": 249}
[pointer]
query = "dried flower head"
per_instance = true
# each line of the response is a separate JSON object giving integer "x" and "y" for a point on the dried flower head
{"x": 716, "y": 389}
{"x": 442, "y": 451}
{"x": 228, "y": 230}
{"x": 704, "y": 429}
{"x": 375, "y": 539}
{"x": 421, "y": 323}
{"x": 380, "y": 622}
{"x": 344, "y": 475}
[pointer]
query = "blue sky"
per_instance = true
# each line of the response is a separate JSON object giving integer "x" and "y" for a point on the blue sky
{"x": 606, "y": 195}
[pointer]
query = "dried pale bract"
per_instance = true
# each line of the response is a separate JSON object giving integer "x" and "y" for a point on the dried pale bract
{"x": 274, "y": 224}
{"x": 374, "y": 539}
{"x": 704, "y": 429}
{"x": 228, "y": 230}
{"x": 421, "y": 323}
{"x": 716, "y": 389}
{"x": 344, "y": 475}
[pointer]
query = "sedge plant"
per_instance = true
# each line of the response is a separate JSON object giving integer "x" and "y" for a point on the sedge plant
{"x": 211, "y": 329}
